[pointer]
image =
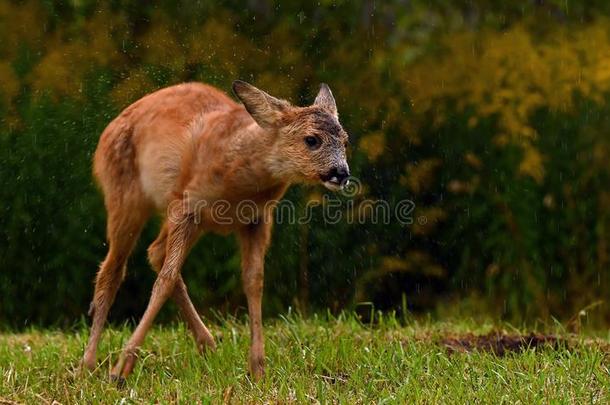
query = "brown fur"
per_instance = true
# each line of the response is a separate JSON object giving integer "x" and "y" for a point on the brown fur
{"x": 178, "y": 151}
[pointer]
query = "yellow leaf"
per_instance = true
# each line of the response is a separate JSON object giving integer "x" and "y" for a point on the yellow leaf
{"x": 373, "y": 145}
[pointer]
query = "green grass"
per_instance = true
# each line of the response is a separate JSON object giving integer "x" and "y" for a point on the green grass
{"x": 338, "y": 360}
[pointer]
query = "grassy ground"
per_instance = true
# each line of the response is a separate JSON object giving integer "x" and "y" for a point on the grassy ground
{"x": 313, "y": 360}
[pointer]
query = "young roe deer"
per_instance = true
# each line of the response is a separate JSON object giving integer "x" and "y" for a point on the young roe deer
{"x": 177, "y": 152}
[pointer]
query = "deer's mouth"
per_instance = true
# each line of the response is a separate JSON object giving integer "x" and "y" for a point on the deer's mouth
{"x": 336, "y": 178}
{"x": 333, "y": 183}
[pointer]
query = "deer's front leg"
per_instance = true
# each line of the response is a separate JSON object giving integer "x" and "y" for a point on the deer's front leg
{"x": 254, "y": 239}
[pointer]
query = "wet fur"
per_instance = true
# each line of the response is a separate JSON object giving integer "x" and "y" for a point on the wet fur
{"x": 176, "y": 152}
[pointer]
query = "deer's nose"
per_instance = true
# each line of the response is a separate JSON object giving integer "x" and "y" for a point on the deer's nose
{"x": 338, "y": 174}
{"x": 343, "y": 172}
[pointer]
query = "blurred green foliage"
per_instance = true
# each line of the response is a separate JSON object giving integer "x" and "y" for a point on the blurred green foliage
{"x": 491, "y": 116}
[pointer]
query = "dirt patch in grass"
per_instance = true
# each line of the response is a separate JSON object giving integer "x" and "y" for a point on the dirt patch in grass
{"x": 501, "y": 343}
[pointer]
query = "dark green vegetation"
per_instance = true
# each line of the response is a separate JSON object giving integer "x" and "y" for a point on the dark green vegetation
{"x": 332, "y": 361}
{"x": 492, "y": 117}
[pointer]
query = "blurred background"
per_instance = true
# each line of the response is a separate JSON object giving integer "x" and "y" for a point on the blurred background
{"x": 491, "y": 116}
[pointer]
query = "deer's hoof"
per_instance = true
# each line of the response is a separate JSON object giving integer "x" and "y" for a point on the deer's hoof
{"x": 257, "y": 368}
{"x": 206, "y": 344}
{"x": 86, "y": 364}
{"x": 124, "y": 366}
{"x": 118, "y": 380}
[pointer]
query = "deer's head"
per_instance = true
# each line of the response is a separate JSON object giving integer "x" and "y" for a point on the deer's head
{"x": 309, "y": 144}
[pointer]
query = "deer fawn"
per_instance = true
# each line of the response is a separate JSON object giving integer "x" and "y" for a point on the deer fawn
{"x": 179, "y": 151}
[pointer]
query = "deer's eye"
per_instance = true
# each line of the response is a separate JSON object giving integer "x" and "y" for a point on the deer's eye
{"x": 312, "y": 142}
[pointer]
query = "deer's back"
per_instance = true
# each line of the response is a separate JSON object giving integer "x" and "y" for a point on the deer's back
{"x": 144, "y": 146}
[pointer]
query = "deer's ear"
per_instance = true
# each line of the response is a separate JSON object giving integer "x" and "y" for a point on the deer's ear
{"x": 326, "y": 100}
{"x": 265, "y": 109}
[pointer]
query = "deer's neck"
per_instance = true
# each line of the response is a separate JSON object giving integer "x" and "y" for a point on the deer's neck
{"x": 252, "y": 162}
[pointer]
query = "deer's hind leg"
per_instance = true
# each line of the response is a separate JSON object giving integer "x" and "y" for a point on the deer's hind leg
{"x": 180, "y": 237}
{"x": 126, "y": 218}
{"x": 156, "y": 257}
